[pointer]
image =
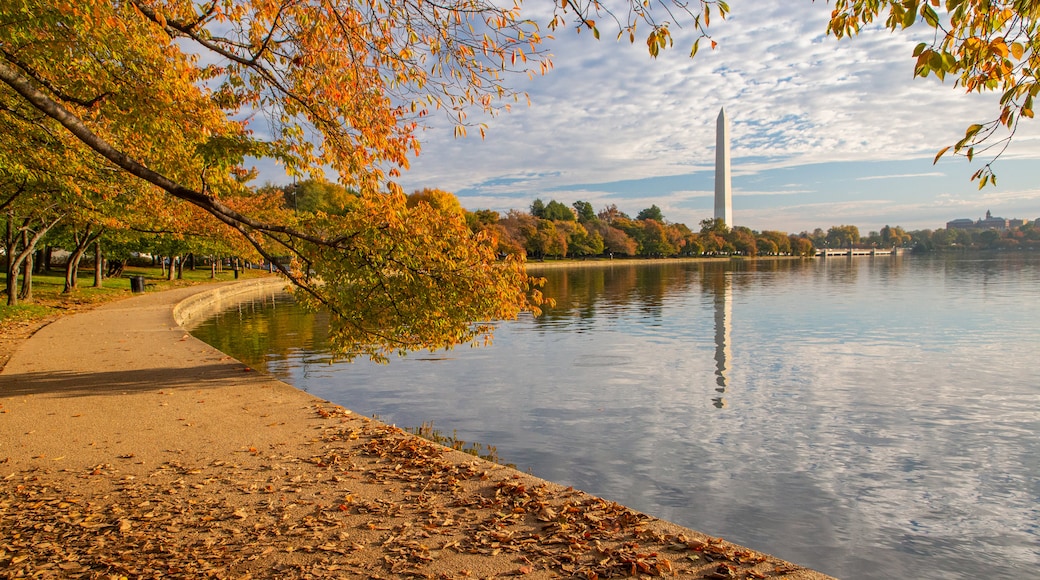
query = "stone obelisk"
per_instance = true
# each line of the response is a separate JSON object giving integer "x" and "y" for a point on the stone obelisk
{"x": 723, "y": 187}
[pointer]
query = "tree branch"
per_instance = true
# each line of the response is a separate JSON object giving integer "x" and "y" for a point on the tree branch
{"x": 74, "y": 125}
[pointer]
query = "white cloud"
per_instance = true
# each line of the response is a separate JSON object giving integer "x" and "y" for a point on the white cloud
{"x": 797, "y": 100}
{"x": 901, "y": 176}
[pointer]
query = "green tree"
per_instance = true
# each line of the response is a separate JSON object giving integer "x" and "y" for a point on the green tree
{"x": 584, "y": 210}
{"x": 989, "y": 238}
{"x": 538, "y": 208}
{"x": 654, "y": 240}
{"x": 580, "y": 241}
{"x": 557, "y": 211}
{"x": 651, "y": 213}
{"x": 818, "y": 237}
{"x": 481, "y": 219}
{"x": 29, "y": 215}
{"x": 714, "y": 226}
{"x": 311, "y": 196}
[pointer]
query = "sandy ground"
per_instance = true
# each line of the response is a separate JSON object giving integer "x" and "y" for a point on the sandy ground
{"x": 129, "y": 449}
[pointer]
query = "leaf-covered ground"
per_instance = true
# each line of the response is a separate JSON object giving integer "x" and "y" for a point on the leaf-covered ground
{"x": 363, "y": 500}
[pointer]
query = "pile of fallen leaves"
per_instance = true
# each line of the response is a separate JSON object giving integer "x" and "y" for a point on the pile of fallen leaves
{"x": 367, "y": 500}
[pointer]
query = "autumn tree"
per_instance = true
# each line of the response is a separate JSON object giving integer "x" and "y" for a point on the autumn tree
{"x": 615, "y": 241}
{"x": 802, "y": 246}
{"x": 24, "y": 227}
{"x": 654, "y": 240}
{"x": 778, "y": 242}
{"x": 893, "y": 237}
{"x": 168, "y": 92}
{"x": 436, "y": 198}
{"x": 515, "y": 229}
{"x": 843, "y": 236}
{"x": 743, "y": 241}
{"x": 611, "y": 213}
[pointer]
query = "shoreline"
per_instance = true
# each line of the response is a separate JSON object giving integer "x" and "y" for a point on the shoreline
{"x": 608, "y": 262}
{"x": 129, "y": 447}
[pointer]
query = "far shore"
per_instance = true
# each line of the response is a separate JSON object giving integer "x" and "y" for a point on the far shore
{"x": 601, "y": 262}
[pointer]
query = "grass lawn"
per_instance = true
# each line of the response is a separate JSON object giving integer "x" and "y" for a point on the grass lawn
{"x": 48, "y": 299}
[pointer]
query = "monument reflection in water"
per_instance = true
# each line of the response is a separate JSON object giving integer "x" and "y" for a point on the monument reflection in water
{"x": 872, "y": 418}
{"x": 722, "y": 284}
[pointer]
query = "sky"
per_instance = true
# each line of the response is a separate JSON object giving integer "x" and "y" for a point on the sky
{"x": 823, "y": 132}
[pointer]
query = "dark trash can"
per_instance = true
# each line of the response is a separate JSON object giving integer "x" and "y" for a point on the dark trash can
{"x": 137, "y": 284}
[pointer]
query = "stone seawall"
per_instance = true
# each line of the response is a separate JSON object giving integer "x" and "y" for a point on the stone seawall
{"x": 195, "y": 309}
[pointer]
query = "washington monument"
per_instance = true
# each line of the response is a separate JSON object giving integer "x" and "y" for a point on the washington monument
{"x": 723, "y": 187}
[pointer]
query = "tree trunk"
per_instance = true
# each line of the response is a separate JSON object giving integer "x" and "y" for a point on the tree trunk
{"x": 16, "y": 257}
{"x": 72, "y": 271}
{"x": 98, "y": 262}
{"x": 39, "y": 267}
{"x": 115, "y": 268}
{"x": 72, "y": 266}
{"x": 12, "y": 272}
{"x": 25, "y": 294}
{"x": 173, "y": 268}
{"x": 180, "y": 267}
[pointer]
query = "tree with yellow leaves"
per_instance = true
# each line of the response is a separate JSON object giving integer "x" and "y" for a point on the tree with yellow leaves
{"x": 177, "y": 94}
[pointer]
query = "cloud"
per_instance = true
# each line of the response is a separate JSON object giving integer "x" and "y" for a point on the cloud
{"x": 902, "y": 176}
{"x": 812, "y": 118}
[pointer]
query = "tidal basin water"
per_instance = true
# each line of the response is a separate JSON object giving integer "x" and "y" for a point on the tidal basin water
{"x": 867, "y": 417}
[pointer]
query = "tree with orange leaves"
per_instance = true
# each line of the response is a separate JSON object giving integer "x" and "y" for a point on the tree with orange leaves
{"x": 178, "y": 93}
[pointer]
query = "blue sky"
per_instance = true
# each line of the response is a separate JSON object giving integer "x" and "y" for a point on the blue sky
{"x": 824, "y": 132}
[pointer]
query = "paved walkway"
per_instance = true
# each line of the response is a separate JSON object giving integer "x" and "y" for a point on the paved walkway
{"x": 123, "y": 378}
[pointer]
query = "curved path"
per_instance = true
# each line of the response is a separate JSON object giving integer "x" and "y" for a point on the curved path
{"x": 128, "y": 447}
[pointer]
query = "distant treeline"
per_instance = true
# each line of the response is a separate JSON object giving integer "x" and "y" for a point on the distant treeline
{"x": 554, "y": 229}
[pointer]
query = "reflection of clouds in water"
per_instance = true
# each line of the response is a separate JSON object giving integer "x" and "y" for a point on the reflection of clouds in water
{"x": 910, "y": 449}
{"x": 880, "y": 419}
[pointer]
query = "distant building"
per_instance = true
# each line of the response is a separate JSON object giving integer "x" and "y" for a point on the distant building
{"x": 960, "y": 224}
{"x": 987, "y": 223}
{"x": 993, "y": 223}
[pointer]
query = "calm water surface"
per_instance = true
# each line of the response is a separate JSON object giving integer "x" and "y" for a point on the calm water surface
{"x": 869, "y": 418}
